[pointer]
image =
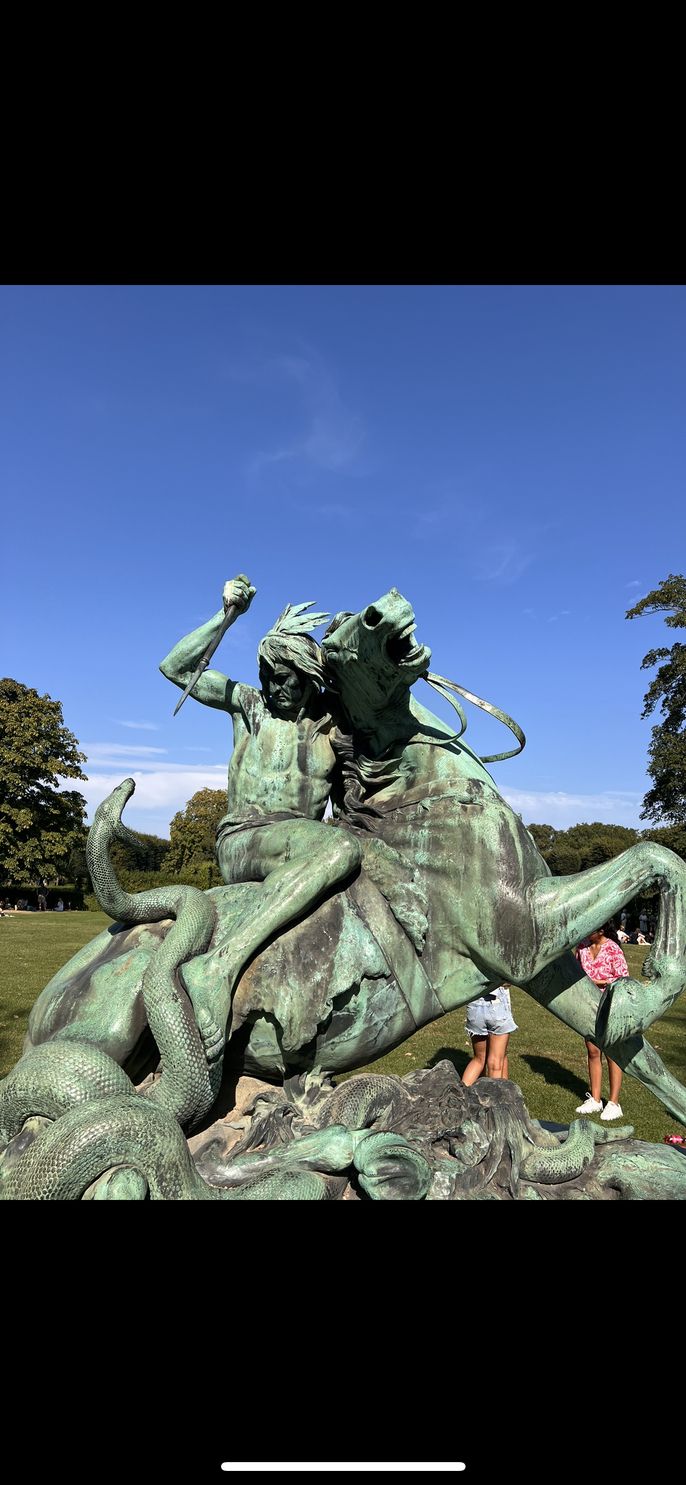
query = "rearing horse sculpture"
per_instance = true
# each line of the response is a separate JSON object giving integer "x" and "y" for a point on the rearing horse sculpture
{"x": 348, "y": 983}
{"x": 494, "y": 910}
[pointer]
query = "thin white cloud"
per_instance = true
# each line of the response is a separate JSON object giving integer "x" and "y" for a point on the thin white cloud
{"x": 138, "y": 726}
{"x": 502, "y": 562}
{"x": 431, "y": 523}
{"x": 333, "y": 435}
{"x": 558, "y": 808}
{"x": 108, "y": 752}
{"x": 165, "y": 789}
{"x": 635, "y": 583}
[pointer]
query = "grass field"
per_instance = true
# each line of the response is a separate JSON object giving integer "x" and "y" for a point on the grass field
{"x": 546, "y": 1059}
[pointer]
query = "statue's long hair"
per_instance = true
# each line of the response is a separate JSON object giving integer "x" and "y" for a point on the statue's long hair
{"x": 288, "y": 643}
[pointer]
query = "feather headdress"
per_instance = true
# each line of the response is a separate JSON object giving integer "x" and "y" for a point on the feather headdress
{"x": 295, "y": 619}
{"x": 289, "y": 642}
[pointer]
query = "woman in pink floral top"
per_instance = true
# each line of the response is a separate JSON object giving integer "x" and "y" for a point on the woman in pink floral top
{"x": 603, "y": 961}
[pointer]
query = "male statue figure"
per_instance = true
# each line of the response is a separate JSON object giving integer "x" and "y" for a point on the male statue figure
{"x": 280, "y": 776}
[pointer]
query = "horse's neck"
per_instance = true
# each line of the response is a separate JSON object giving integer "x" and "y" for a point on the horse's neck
{"x": 413, "y": 726}
{"x": 433, "y": 728}
{"x": 419, "y": 725}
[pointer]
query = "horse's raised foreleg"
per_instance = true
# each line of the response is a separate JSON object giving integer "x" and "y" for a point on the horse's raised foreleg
{"x": 565, "y": 990}
{"x": 565, "y": 909}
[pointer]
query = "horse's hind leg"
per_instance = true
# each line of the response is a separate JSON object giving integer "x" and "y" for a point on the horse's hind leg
{"x": 565, "y": 990}
{"x": 565, "y": 909}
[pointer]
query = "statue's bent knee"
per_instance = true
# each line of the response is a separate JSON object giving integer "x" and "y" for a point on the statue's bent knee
{"x": 347, "y": 853}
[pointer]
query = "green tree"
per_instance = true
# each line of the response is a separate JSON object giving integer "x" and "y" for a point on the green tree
{"x": 581, "y": 846}
{"x": 148, "y": 854}
{"x": 545, "y": 837}
{"x": 77, "y": 866}
{"x": 673, "y": 836}
{"x": 40, "y": 824}
{"x": 667, "y": 750}
{"x": 193, "y": 830}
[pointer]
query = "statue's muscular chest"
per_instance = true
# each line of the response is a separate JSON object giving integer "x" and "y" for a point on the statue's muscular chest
{"x": 281, "y": 759}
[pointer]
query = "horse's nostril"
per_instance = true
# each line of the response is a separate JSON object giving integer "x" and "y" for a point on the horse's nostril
{"x": 372, "y": 617}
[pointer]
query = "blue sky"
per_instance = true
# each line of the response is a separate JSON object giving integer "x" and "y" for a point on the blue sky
{"x": 511, "y": 458}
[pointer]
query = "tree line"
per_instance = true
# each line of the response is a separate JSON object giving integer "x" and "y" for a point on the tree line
{"x": 43, "y": 825}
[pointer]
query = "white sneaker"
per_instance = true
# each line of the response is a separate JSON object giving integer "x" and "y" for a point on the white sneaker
{"x": 591, "y": 1106}
{"x": 612, "y": 1111}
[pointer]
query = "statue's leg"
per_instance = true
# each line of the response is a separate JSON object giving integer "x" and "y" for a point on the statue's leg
{"x": 298, "y": 862}
{"x": 555, "y": 913}
{"x": 564, "y": 989}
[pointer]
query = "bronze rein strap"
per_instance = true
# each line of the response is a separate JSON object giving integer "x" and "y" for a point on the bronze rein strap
{"x": 442, "y": 686}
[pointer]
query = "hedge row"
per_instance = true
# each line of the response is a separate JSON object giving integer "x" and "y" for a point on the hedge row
{"x": 68, "y": 893}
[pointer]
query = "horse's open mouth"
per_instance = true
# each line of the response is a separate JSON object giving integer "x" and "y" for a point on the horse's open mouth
{"x": 402, "y": 649}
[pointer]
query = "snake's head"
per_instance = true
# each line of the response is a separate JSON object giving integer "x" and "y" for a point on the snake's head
{"x": 109, "y": 810}
{"x": 124, "y": 791}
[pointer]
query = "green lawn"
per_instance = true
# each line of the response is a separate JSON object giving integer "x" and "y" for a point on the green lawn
{"x": 33, "y": 946}
{"x": 546, "y": 1059}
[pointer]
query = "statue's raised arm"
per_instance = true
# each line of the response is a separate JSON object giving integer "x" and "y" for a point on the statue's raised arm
{"x": 212, "y": 687}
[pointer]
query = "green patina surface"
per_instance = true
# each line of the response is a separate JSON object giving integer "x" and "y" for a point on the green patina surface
{"x": 330, "y": 944}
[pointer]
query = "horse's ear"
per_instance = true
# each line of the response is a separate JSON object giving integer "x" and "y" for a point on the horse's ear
{"x": 336, "y": 622}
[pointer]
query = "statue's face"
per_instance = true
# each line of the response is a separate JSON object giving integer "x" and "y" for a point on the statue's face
{"x": 284, "y": 689}
{"x": 372, "y": 656}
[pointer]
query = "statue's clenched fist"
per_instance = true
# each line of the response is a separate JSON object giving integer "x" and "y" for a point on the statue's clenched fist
{"x": 240, "y": 592}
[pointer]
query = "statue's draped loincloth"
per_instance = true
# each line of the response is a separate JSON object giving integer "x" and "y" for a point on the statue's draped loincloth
{"x": 382, "y": 947}
{"x": 228, "y": 826}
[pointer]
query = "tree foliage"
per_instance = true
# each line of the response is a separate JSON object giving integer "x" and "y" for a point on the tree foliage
{"x": 581, "y": 846}
{"x": 193, "y": 830}
{"x": 148, "y": 854}
{"x": 667, "y": 750}
{"x": 545, "y": 837}
{"x": 40, "y": 824}
{"x": 672, "y": 836}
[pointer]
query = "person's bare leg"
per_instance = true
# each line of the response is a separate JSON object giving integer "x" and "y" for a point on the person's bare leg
{"x": 615, "y": 1072}
{"x": 475, "y": 1068}
{"x": 496, "y": 1055}
{"x": 595, "y": 1069}
{"x": 506, "y": 1070}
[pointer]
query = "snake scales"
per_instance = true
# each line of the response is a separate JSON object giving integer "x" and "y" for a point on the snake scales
{"x": 144, "y": 1141}
{"x": 52, "y": 1078}
{"x": 101, "y": 1125}
{"x": 105, "y": 1133}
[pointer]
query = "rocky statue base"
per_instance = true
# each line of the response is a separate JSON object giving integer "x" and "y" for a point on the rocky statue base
{"x": 426, "y": 1137}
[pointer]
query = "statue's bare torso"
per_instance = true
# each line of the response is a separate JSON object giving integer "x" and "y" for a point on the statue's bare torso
{"x": 277, "y": 764}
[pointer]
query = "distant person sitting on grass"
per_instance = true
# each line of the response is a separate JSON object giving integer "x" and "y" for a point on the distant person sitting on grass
{"x": 489, "y": 1024}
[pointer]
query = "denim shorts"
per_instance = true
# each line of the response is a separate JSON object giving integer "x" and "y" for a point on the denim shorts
{"x": 491, "y": 1014}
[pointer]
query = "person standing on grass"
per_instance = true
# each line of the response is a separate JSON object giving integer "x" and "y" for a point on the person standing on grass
{"x": 601, "y": 957}
{"x": 489, "y": 1024}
